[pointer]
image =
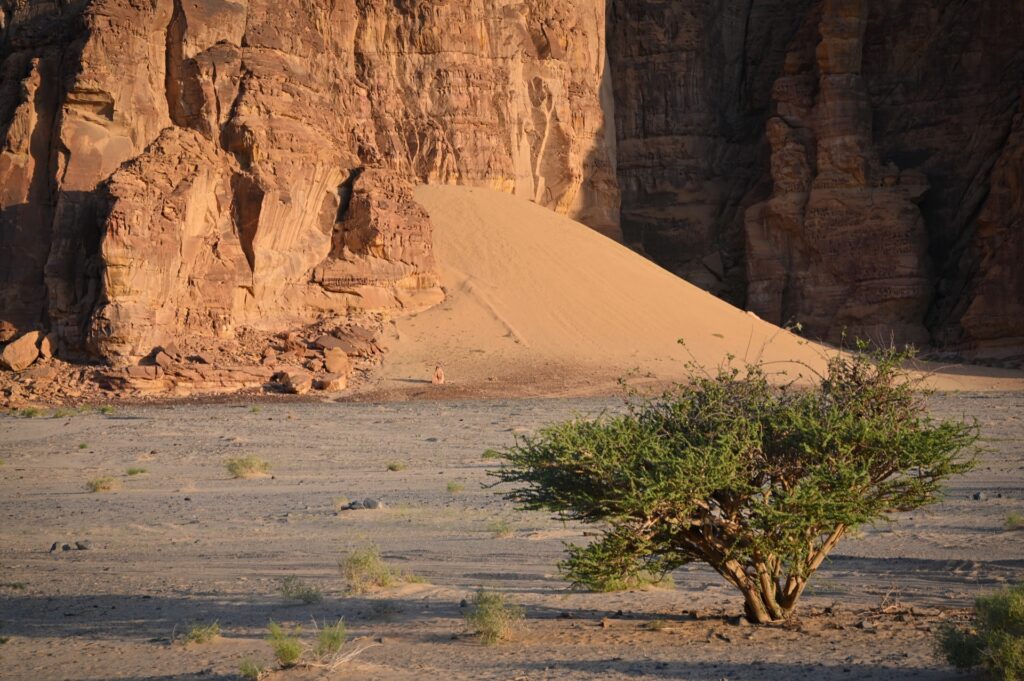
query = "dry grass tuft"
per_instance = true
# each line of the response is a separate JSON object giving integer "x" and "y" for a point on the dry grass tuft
{"x": 247, "y": 467}
{"x": 106, "y": 484}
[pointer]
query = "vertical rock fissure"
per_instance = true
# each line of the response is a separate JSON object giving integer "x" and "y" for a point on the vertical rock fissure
{"x": 174, "y": 65}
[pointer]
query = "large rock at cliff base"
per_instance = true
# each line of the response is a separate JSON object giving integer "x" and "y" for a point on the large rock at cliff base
{"x": 18, "y": 355}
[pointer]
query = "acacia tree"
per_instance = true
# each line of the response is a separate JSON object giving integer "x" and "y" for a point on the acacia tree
{"x": 758, "y": 481}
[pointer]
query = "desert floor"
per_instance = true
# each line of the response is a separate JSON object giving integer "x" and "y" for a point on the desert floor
{"x": 184, "y": 543}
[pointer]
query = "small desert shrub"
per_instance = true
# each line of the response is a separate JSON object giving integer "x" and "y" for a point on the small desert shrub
{"x": 103, "y": 485}
{"x": 106, "y": 410}
{"x": 17, "y": 586}
{"x": 605, "y": 583}
{"x": 136, "y": 471}
{"x": 329, "y": 640}
{"x": 364, "y": 570}
{"x": 28, "y": 412}
{"x": 255, "y": 409}
{"x": 295, "y": 589}
{"x": 759, "y": 481}
{"x": 454, "y": 487}
{"x": 63, "y": 413}
{"x": 994, "y": 640}
{"x": 250, "y": 670}
{"x": 492, "y": 619}
{"x": 1015, "y": 521}
{"x": 396, "y": 466}
{"x": 341, "y": 502}
{"x": 286, "y": 644}
{"x": 202, "y": 633}
{"x": 491, "y": 454}
{"x": 247, "y": 467}
{"x": 83, "y": 445}
{"x": 500, "y": 529}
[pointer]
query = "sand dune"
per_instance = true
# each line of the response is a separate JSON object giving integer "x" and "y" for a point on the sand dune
{"x": 536, "y": 298}
{"x": 541, "y": 305}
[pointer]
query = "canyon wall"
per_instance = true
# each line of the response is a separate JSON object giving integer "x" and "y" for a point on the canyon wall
{"x": 174, "y": 167}
{"x": 194, "y": 166}
{"x": 849, "y": 165}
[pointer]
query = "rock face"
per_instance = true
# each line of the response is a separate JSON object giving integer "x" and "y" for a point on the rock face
{"x": 845, "y": 164}
{"x": 197, "y": 167}
{"x": 189, "y": 166}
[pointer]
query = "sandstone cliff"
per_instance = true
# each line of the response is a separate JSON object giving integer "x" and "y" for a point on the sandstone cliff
{"x": 175, "y": 167}
{"x": 845, "y": 164}
{"x": 187, "y": 166}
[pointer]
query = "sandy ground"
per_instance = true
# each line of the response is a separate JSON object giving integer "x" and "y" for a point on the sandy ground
{"x": 184, "y": 543}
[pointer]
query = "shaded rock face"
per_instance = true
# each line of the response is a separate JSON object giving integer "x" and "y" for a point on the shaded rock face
{"x": 846, "y": 164}
{"x": 191, "y": 166}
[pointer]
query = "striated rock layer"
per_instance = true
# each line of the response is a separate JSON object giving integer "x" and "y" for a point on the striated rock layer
{"x": 191, "y": 166}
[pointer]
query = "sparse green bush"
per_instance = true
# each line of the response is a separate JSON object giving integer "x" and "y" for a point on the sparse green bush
{"x": 454, "y": 487}
{"x": 295, "y": 589}
{"x": 286, "y": 644}
{"x": 396, "y": 466}
{"x": 1015, "y": 521}
{"x": 250, "y": 670}
{"x": 83, "y": 445}
{"x": 759, "y": 481}
{"x": 994, "y": 640}
{"x": 491, "y": 454}
{"x": 500, "y": 529}
{"x": 202, "y": 633}
{"x": 329, "y": 640}
{"x": 136, "y": 471}
{"x": 106, "y": 410}
{"x": 247, "y": 467}
{"x": 28, "y": 412}
{"x": 364, "y": 570}
{"x": 492, "y": 618}
{"x": 105, "y": 484}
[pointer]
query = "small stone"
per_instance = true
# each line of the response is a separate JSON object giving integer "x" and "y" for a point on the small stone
{"x": 739, "y": 621}
{"x": 65, "y": 547}
{"x": 55, "y": 546}
{"x": 163, "y": 360}
{"x": 980, "y": 496}
{"x": 605, "y": 623}
{"x": 204, "y": 358}
{"x": 48, "y": 346}
{"x": 83, "y": 545}
{"x": 332, "y": 383}
{"x": 373, "y": 504}
{"x": 463, "y": 603}
{"x": 297, "y": 382}
{"x": 337, "y": 361}
{"x": 355, "y": 506}
{"x": 866, "y": 625}
{"x": 20, "y": 354}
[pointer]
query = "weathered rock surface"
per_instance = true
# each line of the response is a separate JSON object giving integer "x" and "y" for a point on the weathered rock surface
{"x": 845, "y": 164}
{"x": 180, "y": 168}
{"x": 196, "y": 167}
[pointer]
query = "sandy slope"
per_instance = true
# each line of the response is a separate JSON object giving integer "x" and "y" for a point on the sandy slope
{"x": 540, "y": 304}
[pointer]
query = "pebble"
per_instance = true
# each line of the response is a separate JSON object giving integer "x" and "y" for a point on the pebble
{"x": 980, "y": 496}
{"x": 83, "y": 545}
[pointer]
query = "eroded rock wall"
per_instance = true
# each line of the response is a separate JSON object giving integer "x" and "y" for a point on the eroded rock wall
{"x": 850, "y": 165}
{"x": 190, "y": 166}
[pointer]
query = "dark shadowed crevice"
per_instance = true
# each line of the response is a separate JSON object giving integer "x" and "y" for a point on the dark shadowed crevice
{"x": 345, "y": 192}
{"x": 174, "y": 69}
{"x": 246, "y": 208}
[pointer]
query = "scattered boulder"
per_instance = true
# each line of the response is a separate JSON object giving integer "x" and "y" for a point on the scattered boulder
{"x": 48, "y": 346}
{"x": 332, "y": 383}
{"x": 164, "y": 360}
{"x": 83, "y": 545}
{"x": 297, "y": 382}
{"x": 20, "y": 354}
{"x": 145, "y": 373}
{"x": 337, "y": 361}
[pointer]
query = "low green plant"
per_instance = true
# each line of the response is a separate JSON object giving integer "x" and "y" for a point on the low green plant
{"x": 255, "y": 409}
{"x": 295, "y": 589}
{"x": 329, "y": 640}
{"x": 501, "y": 529}
{"x": 1015, "y": 521}
{"x": 491, "y": 454}
{"x": 454, "y": 488}
{"x": 760, "y": 481}
{"x": 16, "y": 586}
{"x": 286, "y": 644}
{"x": 83, "y": 445}
{"x": 396, "y": 466}
{"x": 246, "y": 467}
{"x": 28, "y": 412}
{"x": 136, "y": 471}
{"x": 492, "y": 618}
{"x": 993, "y": 641}
{"x": 202, "y": 633}
{"x": 602, "y": 582}
{"x": 106, "y": 410}
{"x": 365, "y": 570}
{"x": 62, "y": 413}
{"x": 250, "y": 670}
{"x": 105, "y": 484}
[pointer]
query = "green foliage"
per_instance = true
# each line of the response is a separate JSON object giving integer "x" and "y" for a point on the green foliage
{"x": 286, "y": 645}
{"x": 364, "y": 570}
{"x": 492, "y": 618}
{"x": 83, "y": 445}
{"x": 136, "y": 471}
{"x": 491, "y": 454}
{"x": 1015, "y": 521}
{"x": 247, "y": 467}
{"x": 396, "y": 466}
{"x": 759, "y": 481}
{"x": 202, "y": 633}
{"x": 994, "y": 641}
{"x": 329, "y": 640}
{"x": 295, "y": 589}
{"x": 454, "y": 488}
{"x": 250, "y": 670}
{"x": 501, "y": 529}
